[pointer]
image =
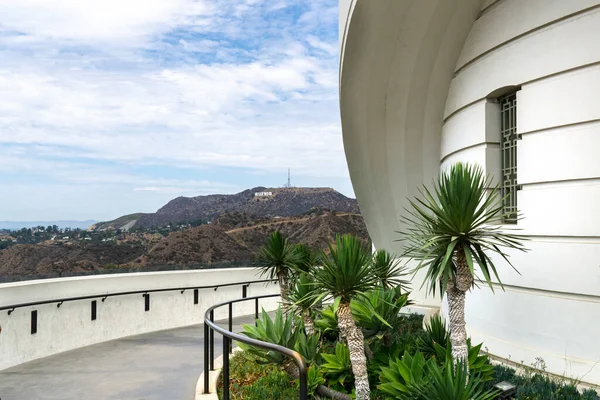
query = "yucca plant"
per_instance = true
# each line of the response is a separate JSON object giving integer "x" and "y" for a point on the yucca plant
{"x": 451, "y": 230}
{"x": 305, "y": 258}
{"x": 300, "y": 299}
{"x": 435, "y": 334}
{"x": 344, "y": 275}
{"x": 276, "y": 260}
{"x": 389, "y": 271}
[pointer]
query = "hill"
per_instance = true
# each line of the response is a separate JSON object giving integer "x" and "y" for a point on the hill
{"x": 271, "y": 202}
{"x": 230, "y": 238}
{"x": 125, "y": 223}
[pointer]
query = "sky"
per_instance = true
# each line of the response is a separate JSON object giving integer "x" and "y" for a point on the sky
{"x": 109, "y": 107}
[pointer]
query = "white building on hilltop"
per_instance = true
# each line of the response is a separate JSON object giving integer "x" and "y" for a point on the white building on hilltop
{"x": 513, "y": 85}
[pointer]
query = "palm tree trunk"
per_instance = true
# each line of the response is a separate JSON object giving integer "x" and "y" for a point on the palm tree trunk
{"x": 458, "y": 332}
{"x": 456, "y": 292}
{"x": 283, "y": 290}
{"x": 356, "y": 346}
{"x": 309, "y": 324}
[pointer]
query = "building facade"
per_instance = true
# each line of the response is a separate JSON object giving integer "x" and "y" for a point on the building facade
{"x": 514, "y": 86}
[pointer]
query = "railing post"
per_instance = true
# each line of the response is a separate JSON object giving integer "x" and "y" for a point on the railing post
{"x": 206, "y": 355}
{"x": 303, "y": 386}
{"x": 244, "y": 291}
{"x": 225, "y": 367}
{"x": 255, "y": 310}
{"x": 230, "y": 326}
{"x": 212, "y": 342}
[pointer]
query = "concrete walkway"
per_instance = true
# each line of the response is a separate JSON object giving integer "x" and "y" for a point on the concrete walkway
{"x": 163, "y": 365}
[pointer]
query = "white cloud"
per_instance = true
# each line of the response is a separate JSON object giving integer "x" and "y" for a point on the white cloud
{"x": 98, "y": 20}
{"x": 181, "y": 83}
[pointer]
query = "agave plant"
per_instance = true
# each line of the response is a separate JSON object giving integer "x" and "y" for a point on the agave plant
{"x": 344, "y": 275}
{"x": 378, "y": 312}
{"x": 282, "y": 331}
{"x": 337, "y": 366}
{"x": 415, "y": 378}
{"x": 452, "y": 382}
{"x": 389, "y": 271}
{"x": 277, "y": 260}
{"x": 327, "y": 322}
{"x": 451, "y": 231}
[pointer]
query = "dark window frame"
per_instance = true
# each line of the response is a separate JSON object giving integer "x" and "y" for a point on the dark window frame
{"x": 508, "y": 148}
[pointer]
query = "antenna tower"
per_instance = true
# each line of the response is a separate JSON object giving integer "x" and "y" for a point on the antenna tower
{"x": 289, "y": 181}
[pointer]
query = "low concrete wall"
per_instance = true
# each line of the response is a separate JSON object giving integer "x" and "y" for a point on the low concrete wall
{"x": 70, "y": 326}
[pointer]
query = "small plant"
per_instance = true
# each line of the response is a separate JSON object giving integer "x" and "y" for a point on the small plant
{"x": 279, "y": 330}
{"x": 300, "y": 299}
{"x": 337, "y": 367}
{"x": 250, "y": 380}
{"x": 415, "y": 378}
{"x": 377, "y": 312}
{"x": 276, "y": 260}
{"x": 327, "y": 323}
{"x": 388, "y": 270}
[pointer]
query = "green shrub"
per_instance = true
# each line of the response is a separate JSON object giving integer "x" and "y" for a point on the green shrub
{"x": 337, "y": 368}
{"x": 327, "y": 323}
{"x": 250, "y": 380}
{"x": 414, "y": 378}
{"x": 534, "y": 386}
{"x": 377, "y": 312}
{"x": 279, "y": 330}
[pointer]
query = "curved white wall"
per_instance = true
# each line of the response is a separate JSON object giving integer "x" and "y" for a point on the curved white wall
{"x": 392, "y": 118}
{"x": 397, "y": 64}
{"x": 70, "y": 326}
{"x": 550, "y": 49}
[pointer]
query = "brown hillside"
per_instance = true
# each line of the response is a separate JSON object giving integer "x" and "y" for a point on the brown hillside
{"x": 315, "y": 230}
{"x": 33, "y": 259}
{"x": 204, "y": 244}
{"x": 233, "y": 237}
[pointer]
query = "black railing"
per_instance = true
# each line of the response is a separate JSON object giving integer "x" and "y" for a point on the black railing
{"x": 228, "y": 336}
{"x": 104, "y": 296}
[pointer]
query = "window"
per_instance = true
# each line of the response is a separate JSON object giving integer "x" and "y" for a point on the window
{"x": 508, "y": 130}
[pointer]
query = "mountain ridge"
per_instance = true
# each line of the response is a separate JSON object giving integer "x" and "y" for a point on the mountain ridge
{"x": 259, "y": 201}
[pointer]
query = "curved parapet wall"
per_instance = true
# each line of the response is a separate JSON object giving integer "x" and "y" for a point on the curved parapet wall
{"x": 419, "y": 88}
{"x": 70, "y": 325}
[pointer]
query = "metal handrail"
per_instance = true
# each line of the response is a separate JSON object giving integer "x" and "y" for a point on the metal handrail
{"x": 228, "y": 336}
{"x": 104, "y": 296}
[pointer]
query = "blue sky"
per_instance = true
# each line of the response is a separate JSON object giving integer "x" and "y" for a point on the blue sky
{"x": 117, "y": 106}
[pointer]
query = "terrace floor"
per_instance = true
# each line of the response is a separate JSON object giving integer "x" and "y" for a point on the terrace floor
{"x": 162, "y": 365}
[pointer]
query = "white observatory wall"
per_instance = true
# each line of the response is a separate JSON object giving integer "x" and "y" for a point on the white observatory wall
{"x": 396, "y": 67}
{"x": 549, "y": 48}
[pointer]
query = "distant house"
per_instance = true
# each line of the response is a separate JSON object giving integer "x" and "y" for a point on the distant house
{"x": 263, "y": 194}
